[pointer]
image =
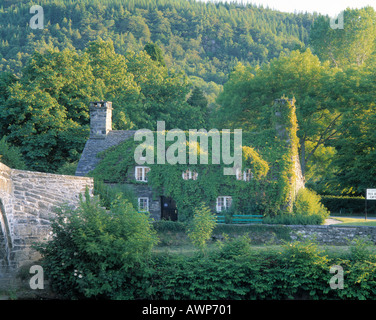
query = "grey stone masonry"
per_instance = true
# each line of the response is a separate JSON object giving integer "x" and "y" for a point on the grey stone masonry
{"x": 27, "y": 204}
{"x": 100, "y": 119}
{"x": 333, "y": 234}
{"x": 323, "y": 235}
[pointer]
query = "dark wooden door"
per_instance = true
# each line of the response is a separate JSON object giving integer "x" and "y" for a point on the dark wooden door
{"x": 168, "y": 209}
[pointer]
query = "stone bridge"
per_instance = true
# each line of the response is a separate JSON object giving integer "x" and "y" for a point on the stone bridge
{"x": 27, "y": 203}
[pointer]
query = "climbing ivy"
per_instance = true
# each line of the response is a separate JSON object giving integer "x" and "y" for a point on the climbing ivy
{"x": 268, "y": 154}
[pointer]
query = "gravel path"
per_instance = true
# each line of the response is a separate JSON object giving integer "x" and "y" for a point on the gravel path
{"x": 331, "y": 221}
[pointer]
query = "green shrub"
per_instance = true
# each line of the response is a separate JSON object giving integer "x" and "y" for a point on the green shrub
{"x": 308, "y": 202}
{"x": 93, "y": 252}
{"x": 347, "y": 205}
{"x": 307, "y": 210}
{"x": 201, "y": 226}
{"x": 299, "y": 271}
{"x": 305, "y": 270}
{"x": 361, "y": 249}
{"x": 108, "y": 193}
{"x": 359, "y": 279}
{"x": 294, "y": 219}
{"x": 168, "y": 225}
{"x": 239, "y": 246}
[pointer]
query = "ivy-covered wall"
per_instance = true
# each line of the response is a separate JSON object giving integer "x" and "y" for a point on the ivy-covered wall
{"x": 270, "y": 154}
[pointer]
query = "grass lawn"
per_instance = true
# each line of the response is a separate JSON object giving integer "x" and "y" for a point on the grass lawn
{"x": 186, "y": 248}
{"x": 189, "y": 250}
{"x": 176, "y": 241}
{"x": 356, "y": 222}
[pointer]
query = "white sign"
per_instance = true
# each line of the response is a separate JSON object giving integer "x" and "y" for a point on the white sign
{"x": 371, "y": 194}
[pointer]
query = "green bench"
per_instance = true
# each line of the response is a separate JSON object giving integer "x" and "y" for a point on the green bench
{"x": 251, "y": 218}
{"x": 221, "y": 219}
{"x": 241, "y": 219}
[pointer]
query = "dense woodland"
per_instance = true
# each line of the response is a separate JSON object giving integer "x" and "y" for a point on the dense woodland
{"x": 193, "y": 65}
{"x": 203, "y": 40}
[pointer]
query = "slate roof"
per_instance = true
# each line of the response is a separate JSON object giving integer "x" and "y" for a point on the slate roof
{"x": 94, "y": 146}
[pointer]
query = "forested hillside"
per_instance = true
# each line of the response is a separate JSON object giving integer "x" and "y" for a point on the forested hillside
{"x": 205, "y": 40}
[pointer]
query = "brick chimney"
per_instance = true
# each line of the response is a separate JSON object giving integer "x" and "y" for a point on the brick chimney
{"x": 100, "y": 119}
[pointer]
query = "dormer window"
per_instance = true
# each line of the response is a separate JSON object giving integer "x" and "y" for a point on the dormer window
{"x": 245, "y": 175}
{"x": 189, "y": 175}
{"x": 141, "y": 173}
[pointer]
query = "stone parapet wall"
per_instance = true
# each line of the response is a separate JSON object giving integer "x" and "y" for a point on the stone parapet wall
{"x": 333, "y": 234}
{"x": 28, "y": 201}
{"x": 36, "y": 197}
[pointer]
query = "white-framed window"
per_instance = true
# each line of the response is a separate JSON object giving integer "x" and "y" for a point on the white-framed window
{"x": 223, "y": 203}
{"x": 189, "y": 175}
{"x": 245, "y": 175}
{"x": 140, "y": 173}
{"x": 143, "y": 204}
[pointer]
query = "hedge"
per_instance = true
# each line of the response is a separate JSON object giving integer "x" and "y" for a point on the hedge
{"x": 347, "y": 205}
{"x": 235, "y": 272}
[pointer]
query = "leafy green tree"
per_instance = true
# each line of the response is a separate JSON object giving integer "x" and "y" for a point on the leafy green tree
{"x": 46, "y": 109}
{"x": 162, "y": 95}
{"x": 354, "y": 44}
{"x": 155, "y": 53}
{"x": 137, "y": 25}
{"x": 11, "y": 156}
{"x": 247, "y": 97}
{"x": 198, "y": 99}
{"x": 116, "y": 82}
{"x": 352, "y": 167}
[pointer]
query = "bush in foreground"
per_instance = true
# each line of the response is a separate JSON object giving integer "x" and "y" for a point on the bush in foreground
{"x": 92, "y": 249}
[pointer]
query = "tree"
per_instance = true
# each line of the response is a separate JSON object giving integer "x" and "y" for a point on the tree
{"x": 155, "y": 53}
{"x": 137, "y": 25}
{"x": 46, "y": 110}
{"x": 198, "y": 100}
{"x": 116, "y": 82}
{"x": 162, "y": 95}
{"x": 246, "y": 99}
{"x": 11, "y": 156}
{"x": 354, "y": 44}
{"x": 354, "y": 164}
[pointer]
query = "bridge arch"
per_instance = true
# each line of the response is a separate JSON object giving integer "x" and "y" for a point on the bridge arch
{"x": 5, "y": 239}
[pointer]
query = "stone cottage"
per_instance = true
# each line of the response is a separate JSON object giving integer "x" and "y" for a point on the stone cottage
{"x": 163, "y": 206}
